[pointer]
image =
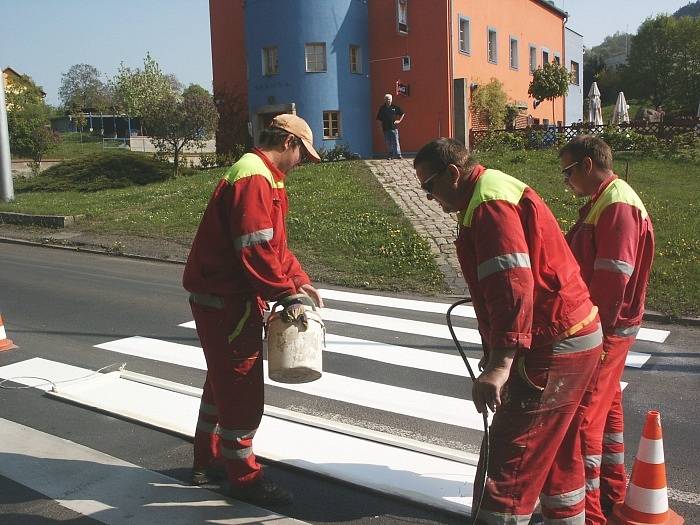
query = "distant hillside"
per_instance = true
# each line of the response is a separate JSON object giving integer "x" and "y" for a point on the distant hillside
{"x": 692, "y": 9}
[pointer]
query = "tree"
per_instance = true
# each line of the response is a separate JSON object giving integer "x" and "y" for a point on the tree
{"x": 82, "y": 88}
{"x": 549, "y": 82}
{"x": 492, "y": 99}
{"x": 685, "y": 76}
{"x": 692, "y": 9}
{"x": 177, "y": 121}
{"x": 137, "y": 91}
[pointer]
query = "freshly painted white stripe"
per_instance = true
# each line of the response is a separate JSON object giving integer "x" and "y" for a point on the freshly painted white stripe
{"x": 345, "y": 345}
{"x": 433, "y": 407}
{"x": 651, "y": 451}
{"x": 645, "y": 334}
{"x": 45, "y": 376}
{"x": 93, "y": 484}
{"x": 652, "y": 501}
{"x": 464, "y": 310}
{"x": 390, "y": 469}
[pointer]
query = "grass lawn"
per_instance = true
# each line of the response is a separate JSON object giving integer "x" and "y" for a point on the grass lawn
{"x": 342, "y": 225}
{"x": 669, "y": 190}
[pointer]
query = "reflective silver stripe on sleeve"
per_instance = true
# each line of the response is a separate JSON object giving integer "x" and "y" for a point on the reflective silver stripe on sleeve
{"x": 206, "y": 408}
{"x": 626, "y": 331}
{"x": 611, "y": 438}
{"x": 567, "y": 499}
{"x": 503, "y": 262}
{"x": 205, "y": 426}
{"x": 614, "y": 458}
{"x": 240, "y": 453}
{"x": 251, "y": 239}
{"x": 614, "y": 265}
{"x": 592, "y": 484}
{"x": 592, "y": 461}
{"x": 501, "y": 518}
{"x": 581, "y": 343}
{"x": 579, "y": 519}
{"x": 236, "y": 434}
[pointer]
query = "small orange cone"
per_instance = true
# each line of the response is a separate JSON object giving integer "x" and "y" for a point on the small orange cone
{"x": 5, "y": 343}
{"x": 646, "y": 502}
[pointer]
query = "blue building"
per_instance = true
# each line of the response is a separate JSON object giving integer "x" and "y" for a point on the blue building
{"x": 310, "y": 57}
{"x": 574, "y": 59}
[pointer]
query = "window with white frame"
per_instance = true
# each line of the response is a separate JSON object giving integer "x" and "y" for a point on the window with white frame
{"x": 331, "y": 124}
{"x": 315, "y": 55}
{"x": 464, "y": 35}
{"x": 406, "y": 63}
{"x": 545, "y": 56}
{"x": 270, "y": 62}
{"x": 574, "y": 71}
{"x": 514, "y": 60}
{"x": 557, "y": 59}
{"x": 533, "y": 59}
{"x": 492, "y": 43}
{"x": 402, "y": 15}
{"x": 355, "y": 59}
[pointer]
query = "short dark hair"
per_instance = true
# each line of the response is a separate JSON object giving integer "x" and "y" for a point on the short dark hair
{"x": 273, "y": 137}
{"x": 440, "y": 153}
{"x": 589, "y": 146}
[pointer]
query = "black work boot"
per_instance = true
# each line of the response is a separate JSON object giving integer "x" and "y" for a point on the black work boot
{"x": 206, "y": 476}
{"x": 262, "y": 492}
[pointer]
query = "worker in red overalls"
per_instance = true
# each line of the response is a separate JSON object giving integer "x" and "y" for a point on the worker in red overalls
{"x": 540, "y": 331}
{"x": 613, "y": 242}
{"x": 238, "y": 261}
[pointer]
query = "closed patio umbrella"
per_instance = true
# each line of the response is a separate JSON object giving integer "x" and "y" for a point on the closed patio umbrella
{"x": 595, "y": 112}
{"x": 621, "y": 112}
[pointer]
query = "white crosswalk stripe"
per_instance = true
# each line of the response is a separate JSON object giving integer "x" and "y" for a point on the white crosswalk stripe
{"x": 421, "y": 346}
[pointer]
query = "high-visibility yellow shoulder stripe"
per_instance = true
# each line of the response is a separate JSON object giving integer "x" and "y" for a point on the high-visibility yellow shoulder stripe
{"x": 247, "y": 166}
{"x": 617, "y": 191}
{"x": 493, "y": 185}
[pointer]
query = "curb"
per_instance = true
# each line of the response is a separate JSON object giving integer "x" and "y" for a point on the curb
{"x": 649, "y": 315}
{"x": 51, "y": 221}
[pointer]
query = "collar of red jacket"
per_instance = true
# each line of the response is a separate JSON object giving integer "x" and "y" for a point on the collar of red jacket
{"x": 602, "y": 187}
{"x": 276, "y": 173}
{"x": 470, "y": 182}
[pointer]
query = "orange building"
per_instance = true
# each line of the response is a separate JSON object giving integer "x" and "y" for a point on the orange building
{"x": 443, "y": 49}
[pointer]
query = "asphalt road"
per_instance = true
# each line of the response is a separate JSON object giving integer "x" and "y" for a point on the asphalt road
{"x": 58, "y": 304}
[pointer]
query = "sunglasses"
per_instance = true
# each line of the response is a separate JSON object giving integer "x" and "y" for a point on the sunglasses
{"x": 427, "y": 184}
{"x": 567, "y": 171}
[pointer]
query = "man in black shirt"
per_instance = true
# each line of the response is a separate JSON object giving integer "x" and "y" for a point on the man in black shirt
{"x": 390, "y": 115}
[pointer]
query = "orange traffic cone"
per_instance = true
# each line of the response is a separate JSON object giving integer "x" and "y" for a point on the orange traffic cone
{"x": 646, "y": 502}
{"x": 5, "y": 343}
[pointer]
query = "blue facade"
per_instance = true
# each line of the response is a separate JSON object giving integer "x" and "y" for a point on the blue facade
{"x": 289, "y": 26}
{"x": 574, "y": 100}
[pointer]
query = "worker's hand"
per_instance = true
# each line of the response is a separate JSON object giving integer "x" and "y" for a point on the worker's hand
{"x": 313, "y": 293}
{"x": 486, "y": 392}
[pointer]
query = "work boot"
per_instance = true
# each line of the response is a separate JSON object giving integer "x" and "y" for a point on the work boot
{"x": 205, "y": 476}
{"x": 263, "y": 492}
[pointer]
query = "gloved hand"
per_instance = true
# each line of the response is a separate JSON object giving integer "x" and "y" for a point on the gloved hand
{"x": 293, "y": 311}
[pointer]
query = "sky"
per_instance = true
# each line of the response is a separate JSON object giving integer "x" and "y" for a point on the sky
{"x": 43, "y": 38}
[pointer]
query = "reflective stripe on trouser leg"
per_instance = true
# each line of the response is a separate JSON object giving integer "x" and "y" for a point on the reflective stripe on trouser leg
{"x": 206, "y": 439}
{"x": 528, "y": 450}
{"x": 236, "y": 378}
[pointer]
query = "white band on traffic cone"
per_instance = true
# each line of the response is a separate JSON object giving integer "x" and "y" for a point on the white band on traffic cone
{"x": 651, "y": 451}
{"x": 651, "y": 501}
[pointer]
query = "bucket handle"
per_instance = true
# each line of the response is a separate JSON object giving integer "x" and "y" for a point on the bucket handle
{"x": 303, "y": 298}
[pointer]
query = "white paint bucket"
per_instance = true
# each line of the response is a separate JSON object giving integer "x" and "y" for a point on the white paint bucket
{"x": 295, "y": 354}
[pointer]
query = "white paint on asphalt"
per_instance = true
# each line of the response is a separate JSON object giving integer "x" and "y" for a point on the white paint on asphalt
{"x": 108, "y": 489}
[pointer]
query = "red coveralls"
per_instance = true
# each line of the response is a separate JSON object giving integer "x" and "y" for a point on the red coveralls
{"x": 529, "y": 296}
{"x": 613, "y": 241}
{"x": 239, "y": 259}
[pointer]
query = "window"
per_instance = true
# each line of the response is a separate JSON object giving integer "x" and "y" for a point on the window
{"x": 514, "y": 53}
{"x": 406, "y": 63}
{"x": 315, "y": 57}
{"x": 533, "y": 59}
{"x": 574, "y": 73}
{"x": 492, "y": 44}
{"x": 464, "y": 34}
{"x": 355, "y": 59}
{"x": 331, "y": 124}
{"x": 402, "y": 15}
{"x": 545, "y": 56}
{"x": 557, "y": 59}
{"x": 269, "y": 61}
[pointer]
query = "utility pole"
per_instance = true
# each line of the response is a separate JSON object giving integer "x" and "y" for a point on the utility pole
{"x": 7, "y": 192}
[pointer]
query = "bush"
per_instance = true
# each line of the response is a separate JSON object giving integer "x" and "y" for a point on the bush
{"x": 338, "y": 152}
{"x": 501, "y": 141}
{"x": 99, "y": 172}
{"x": 228, "y": 158}
{"x": 207, "y": 160}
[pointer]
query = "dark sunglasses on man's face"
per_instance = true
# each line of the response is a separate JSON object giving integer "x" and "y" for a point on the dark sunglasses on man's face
{"x": 567, "y": 171}
{"x": 427, "y": 184}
